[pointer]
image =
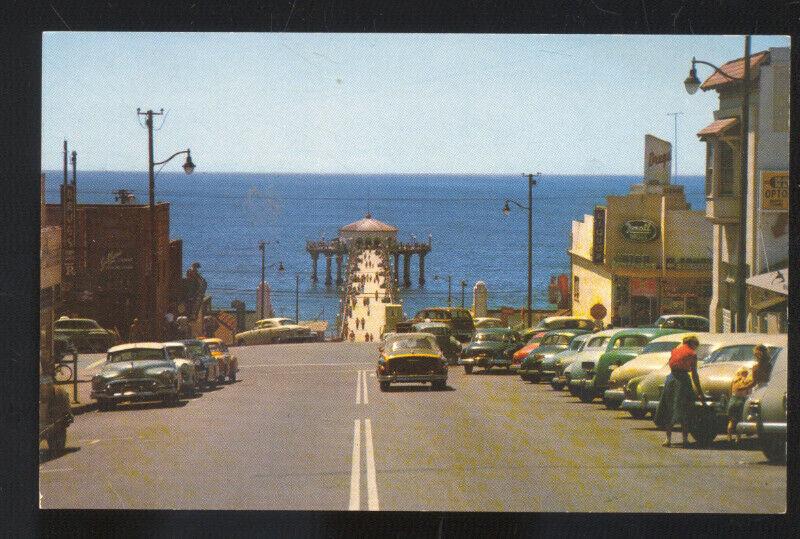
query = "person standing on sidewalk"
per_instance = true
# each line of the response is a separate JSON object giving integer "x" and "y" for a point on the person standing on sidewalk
{"x": 742, "y": 385}
{"x": 677, "y": 400}
{"x": 135, "y": 332}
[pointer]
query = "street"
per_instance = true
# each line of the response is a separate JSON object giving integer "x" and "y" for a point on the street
{"x": 306, "y": 428}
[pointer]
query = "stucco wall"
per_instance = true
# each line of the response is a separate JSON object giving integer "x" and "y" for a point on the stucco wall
{"x": 595, "y": 286}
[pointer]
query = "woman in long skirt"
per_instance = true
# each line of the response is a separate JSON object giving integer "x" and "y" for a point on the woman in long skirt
{"x": 677, "y": 400}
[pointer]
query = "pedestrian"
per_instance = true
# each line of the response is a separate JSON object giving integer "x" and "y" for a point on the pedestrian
{"x": 135, "y": 333}
{"x": 742, "y": 385}
{"x": 352, "y": 336}
{"x": 677, "y": 399}
{"x": 376, "y": 295}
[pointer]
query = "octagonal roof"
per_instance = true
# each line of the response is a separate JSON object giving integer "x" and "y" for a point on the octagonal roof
{"x": 368, "y": 224}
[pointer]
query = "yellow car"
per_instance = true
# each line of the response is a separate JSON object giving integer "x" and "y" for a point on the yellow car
{"x": 228, "y": 363}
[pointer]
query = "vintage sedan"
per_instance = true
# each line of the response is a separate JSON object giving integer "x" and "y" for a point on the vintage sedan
{"x": 274, "y": 330}
{"x": 136, "y": 371}
{"x": 189, "y": 380}
{"x": 448, "y": 344}
{"x": 204, "y": 363}
{"x": 487, "y": 322}
{"x": 85, "y": 334}
{"x": 531, "y": 369}
{"x": 459, "y": 320}
{"x": 227, "y": 362}
{"x": 493, "y": 347}
{"x": 560, "y": 361}
{"x": 765, "y": 412}
{"x": 594, "y": 348}
{"x": 623, "y": 347}
{"x": 716, "y": 374}
{"x": 411, "y": 358}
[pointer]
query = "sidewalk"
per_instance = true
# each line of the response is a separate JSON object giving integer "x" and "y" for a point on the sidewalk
{"x": 85, "y": 402}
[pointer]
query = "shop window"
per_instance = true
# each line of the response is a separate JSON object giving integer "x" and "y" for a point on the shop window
{"x": 725, "y": 169}
{"x": 709, "y": 168}
{"x": 576, "y": 291}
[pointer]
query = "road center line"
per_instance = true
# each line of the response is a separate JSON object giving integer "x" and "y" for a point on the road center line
{"x": 355, "y": 469}
{"x": 358, "y": 387}
{"x": 364, "y": 379}
{"x": 372, "y": 485}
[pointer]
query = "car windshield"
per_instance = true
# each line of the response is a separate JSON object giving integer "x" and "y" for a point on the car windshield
{"x": 76, "y": 324}
{"x": 410, "y": 343}
{"x": 216, "y": 347}
{"x": 135, "y": 354}
{"x": 176, "y": 352}
{"x": 567, "y": 324}
{"x": 196, "y": 350}
{"x": 739, "y": 352}
{"x": 435, "y": 331}
{"x": 631, "y": 341}
{"x": 662, "y": 346}
{"x": 287, "y": 322}
{"x": 597, "y": 342}
{"x": 436, "y": 314}
{"x": 577, "y": 344}
{"x": 494, "y": 337}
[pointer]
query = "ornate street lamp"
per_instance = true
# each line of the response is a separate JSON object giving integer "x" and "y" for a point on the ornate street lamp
{"x": 529, "y": 208}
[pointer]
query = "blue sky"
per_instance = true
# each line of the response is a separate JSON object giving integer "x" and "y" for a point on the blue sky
{"x": 351, "y": 103}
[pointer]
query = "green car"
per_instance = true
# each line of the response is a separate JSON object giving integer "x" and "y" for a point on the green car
{"x": 560, "y": 361}
{"x": 621, "y": 348}
{"x": 85, "y": 334}
{"x": 532, "y": 367}
{"x": 491, "y": 347}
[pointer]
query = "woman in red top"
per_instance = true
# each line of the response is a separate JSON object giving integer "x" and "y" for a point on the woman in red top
{"x": 677, "y": 400}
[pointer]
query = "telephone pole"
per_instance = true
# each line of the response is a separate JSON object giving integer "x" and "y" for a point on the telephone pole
{"x": 675, "y": 142}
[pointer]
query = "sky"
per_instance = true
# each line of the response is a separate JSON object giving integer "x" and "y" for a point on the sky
{"x": 373, "y": 103}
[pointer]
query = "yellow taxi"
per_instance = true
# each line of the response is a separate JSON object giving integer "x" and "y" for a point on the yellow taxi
{"x": 228, "y": 363}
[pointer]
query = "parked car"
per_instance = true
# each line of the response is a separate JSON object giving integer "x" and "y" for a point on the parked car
{"x": 54, "y": 413}
{"x": 765, "y": 412}
{"x": 531, "y": 369}
{"x": 136, "y": 371}
{"x": 227, "y": 362}
{"x": 531, "y": 335}
{"x": 622, "y": 347}
{"x": 459, "y": 320}
{"x": 592, "y": 350}
{"x": 716, "y": 374}
{"x": 85, "y": 334}
{"x": 204, "y": 363}
{"x": 449, "y": 345}
{"x": 411, "y": 358}
{"x": 273, "y": 330}
{"x": 493, "y": 347}
{"x": 189, "y": 380}
{"x": 487, "y": 322}
{"x": 530, "y": 344}
{"x": 560, "y": 361}
{"x": 686, "y": 322}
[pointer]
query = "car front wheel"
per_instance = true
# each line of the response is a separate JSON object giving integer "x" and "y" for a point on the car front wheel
{"x": 557, "y": 386}
{"x": 638, "y": 414}
{"x": 384, "y": 386}
{"x": 586, "y": 396}
{"x": 468, "y": 369}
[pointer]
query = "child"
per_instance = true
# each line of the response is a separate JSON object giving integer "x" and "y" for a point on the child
{"x": 740, "y": 389}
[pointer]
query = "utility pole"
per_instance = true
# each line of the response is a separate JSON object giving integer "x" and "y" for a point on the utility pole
{"x": 65, "y": 162}
{"x": 297, "y": 298}
{"x": 262, "y": 247}
{"x": 463, "y": 286}
{"x": 741, "y": 267}
{"x": 449, "y": 290}
{"x": 675, "y": 143}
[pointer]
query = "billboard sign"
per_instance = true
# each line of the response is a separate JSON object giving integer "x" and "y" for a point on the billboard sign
{"x": 640, "y": 230}
{"x": 657, "y": 161}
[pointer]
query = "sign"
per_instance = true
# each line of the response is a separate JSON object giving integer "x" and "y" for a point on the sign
{"x": 68, "y": 258}
{"x": 599, "y": 235}
{"x": 598, "y": 311}
{"x": 726, "y": 320}
{"x": 115, "y": 260}
{"x": 640, "y": 230}
{"x": 774, "y": 190}
{"x": 647, "y": 288}
{"x": 657, "y": 160}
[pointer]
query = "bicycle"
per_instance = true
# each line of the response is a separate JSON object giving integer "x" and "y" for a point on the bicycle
{"x": 63, "y": 372}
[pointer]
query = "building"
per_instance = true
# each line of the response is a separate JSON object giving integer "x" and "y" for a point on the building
{"x": 641, "y": 255}
{"x": 767, "y": 218}
{"x": 49, "y": 284}
{"x": 368, "y": 231}
{"x": 112, "y": 263}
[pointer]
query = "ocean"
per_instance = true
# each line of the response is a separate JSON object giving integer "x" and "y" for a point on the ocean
{"x": 221, "y": 217}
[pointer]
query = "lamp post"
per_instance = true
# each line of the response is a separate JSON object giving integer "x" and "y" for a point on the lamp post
{"x": 262, "y": 246}
{"x": 692, "y": 83}
{"x": 297, "y": 298}
{"x": 529, "y": 207}
{"x": 449, "y": 288}
{"x": 463, "y": 287}
{"x": 188, "y": 167}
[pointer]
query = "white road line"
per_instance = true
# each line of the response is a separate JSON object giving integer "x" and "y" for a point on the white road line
{"x": 361, "y": 364}
{"x": 93, "y": 442}
{"x": 355, "y": 469}
{"x": 358, "y": 387}
{"x": 364, "y": 379}
{"x": 96, "y": 363}
{"x": 372, "y": 485}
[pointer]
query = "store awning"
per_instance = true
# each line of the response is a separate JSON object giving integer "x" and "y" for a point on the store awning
{"x": 774, "y": 281}
{"x": 717, "y": 127}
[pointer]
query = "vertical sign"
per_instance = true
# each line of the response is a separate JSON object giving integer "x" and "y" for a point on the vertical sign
{"x": 599, "y": 235}
{"x": 657, "y": 160}
{"x": 68, "y": 213}
{"x": 774, "y": 190}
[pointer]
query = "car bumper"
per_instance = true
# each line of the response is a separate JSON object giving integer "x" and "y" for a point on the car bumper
{"x": 632, "y": 405}
{"x": 614, "y": 395}
{"x": 486, "y": 361}
{"x": 411, "y": 378}
{"x": 752, "y": 428}
{"x": 155, "y": 394}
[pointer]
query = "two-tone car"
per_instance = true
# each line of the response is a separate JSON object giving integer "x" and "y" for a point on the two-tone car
{"x": 492, "y": 347}
{"x": 189, "y": 379}
{"x": 716, "y": 373}
{"x": 411, "y": 358}
{"x": 765, "y": 412}
{"x": 135, "y": 372}
{"x": 532, "y": 367}
{"x": 274, "y": 330}
{"x": 85, "y": 334}
{"x": 227, "y": 362}
{"x": 574, "y": 372}
{"x": 447, "y": 343}
{"x": 560, "y": 361}
{"x": 204, "y": 363}
{"x": 622, "y": 347}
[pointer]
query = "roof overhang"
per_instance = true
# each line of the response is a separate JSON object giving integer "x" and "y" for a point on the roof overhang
{"x": 717, "y": 128}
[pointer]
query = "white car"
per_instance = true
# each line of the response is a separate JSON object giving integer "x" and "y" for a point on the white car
{"x": 189, "y": 383}
{"x": 274, "y": 330}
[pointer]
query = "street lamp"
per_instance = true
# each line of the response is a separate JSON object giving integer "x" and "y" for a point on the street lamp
{"x": 449, "y": 288}
{"x": 463, "y": 287}
{"x": 188, "y": 167}
{"x": 692, "y": 83}
{"x": 529, "y": 207}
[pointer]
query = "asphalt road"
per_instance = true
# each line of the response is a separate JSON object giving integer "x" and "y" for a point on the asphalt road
{"x": 306, "y": 427}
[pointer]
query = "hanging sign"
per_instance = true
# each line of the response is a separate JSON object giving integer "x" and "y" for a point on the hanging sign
{"x": 599, "y": 235}
{"x": 774, "y": 190}
{"x": 640, "y": 230}
{"x": 657, "y": 160}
